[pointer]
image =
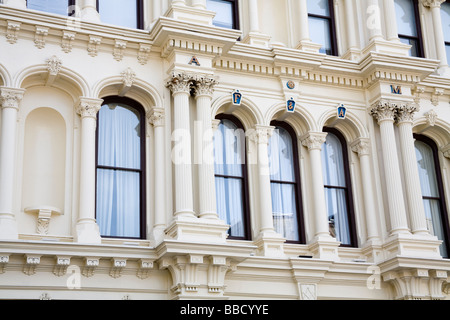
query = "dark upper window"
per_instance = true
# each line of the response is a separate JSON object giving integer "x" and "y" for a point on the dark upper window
{"x": 124, "y": 13}
{"x": 227, "y": 14}
{"x": 285, "y": 186}
{"x": 445, "y": 14}
{"x": 432, "y": 190}
{"x": 231, "y": 176}
{"x": 63, "y": 7}
{"x": 322, "y": 28}
{"x": 408, "y": 23}
{"x": 337, "y": 183}
{"x": 120, "y": 201}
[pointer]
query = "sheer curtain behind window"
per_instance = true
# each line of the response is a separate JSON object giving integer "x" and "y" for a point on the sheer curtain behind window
{"x": 229, "y": 157}
{"x": 283, "y": 184}
{"x": 119, "y": 171}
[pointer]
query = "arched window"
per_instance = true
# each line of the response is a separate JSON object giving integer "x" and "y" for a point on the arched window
{"x": 120, "y": 207}
{"x": 432, "y": 190}
{"x": 338, "y": 193}
{"x": 231, "y": 176}
{"x": 285, "y": 188}
{"x": 125, "y": 13}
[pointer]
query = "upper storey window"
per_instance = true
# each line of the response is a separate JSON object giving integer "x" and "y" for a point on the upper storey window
{"x": 445, "y": 14}
{"x": 322, "y": 25}
{"x": 52, "y": 6}
{"x": 125, "y": 13}
{"x": 226, "y": 13}
{"x": 408, "y": 24}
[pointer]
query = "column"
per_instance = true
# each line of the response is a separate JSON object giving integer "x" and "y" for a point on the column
{"x": 87, "y": 230}
{"x": 10, "y": 99}
{"x": 204, "y": 88}
{"x": 157, "y": 120}
{"x": 353, "y": 49}
{"x": 199, "y": 4}
{"x": 390, "y": 21}
{"x": 435, "y": 6}
{"x": 89, "y": 11}
{"x": 20, "y": 4}
{"x": 405, "y": 117}
{"x": 255, "y": 37}
{"x": 384, "y": 112}
{"x": 305, "y": 42}
{"x": 362, "y": 147}
{"x": 374, "y": 19}
{"x": 314, "y": 141}
{"x": 180, "y": 85}
{"x": 253, "y": 15}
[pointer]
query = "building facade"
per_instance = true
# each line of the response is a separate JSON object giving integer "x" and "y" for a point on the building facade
{"x": 224, "y": 149}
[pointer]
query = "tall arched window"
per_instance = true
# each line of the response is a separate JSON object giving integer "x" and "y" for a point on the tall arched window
{"x": 231, "y": 176}
{"x": 337, "y": 185}
{"x": 120, "y": 207}
{"x": 432, "y": 190}
{"x": 285, "y": 188}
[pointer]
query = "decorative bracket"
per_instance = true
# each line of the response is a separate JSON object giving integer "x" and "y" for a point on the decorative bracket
{"x": 118, "y": 264}
{"x": 31, "y": 263}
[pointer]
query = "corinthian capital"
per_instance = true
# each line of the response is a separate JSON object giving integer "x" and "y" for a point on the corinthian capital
{"x": 361, "y": 146}
{"x": 261, "y": 134}
{"x": 314, "y": 140}
{"x": 11, "y": 97}
{"x": 204, "y": 85}
{"x": 406, "y": 111}
{"x": 180, "y": 82}
{"x": 384, "y": 110}
{"x": 156, "y": 117}
{"x": 432, "y": 3}
{"x": 89, "y": 107}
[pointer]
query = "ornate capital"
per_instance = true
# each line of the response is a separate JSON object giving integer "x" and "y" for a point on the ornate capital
{"x": 432, "y": 3}
{"x": 361, "y": 146}
{"x": 314, "y": 140}
{"x": 180, "y": 82}
{"x": 446, "y": 151}
{"x": 89, "y": 107}
{"x": 261, "y": 134}
{"x": 384, "y": 110}
{"x": 156, "y": 117}
{"x": 204, "y": 86}
{"x": 11, "y": 97}
{"x": 405, "y": 112}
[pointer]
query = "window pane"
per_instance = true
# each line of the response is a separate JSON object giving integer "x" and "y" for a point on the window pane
{"x": 406, "y": 18}
{"x": 447, "y": 49}
{"x": 224, "y": 13}
{"x": 333, "y": 162}
{"x": 119, "y": 12}
{"x": 337, "y": 214}
{"x": 52, "y": 6}
{"x": 281, "y": 156}
{"x": 229, "y": 149}
{"x": 434, "y": 222}
{"x": 414, "y": 51}
{"x": 230, "y": 204}
{"x": 427, "y": 169}
{"x": 284, "y": 210}
{"x": 118, "y": 203}
{"x": 320, "y": 33}
{"x": 445, "y": 14}
{"x": 119, "y": 140}
{"x": 319, "y": 7}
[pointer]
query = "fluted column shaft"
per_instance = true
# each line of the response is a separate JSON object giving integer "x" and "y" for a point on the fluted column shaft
{"x": 10, "y": 99}
{"x": 390, "y": 20}
{"x": 435, "y": 6}
{"x": 384, "y": 112}
{"x": 89, "y": 11}
{"x": 405, "y": 115}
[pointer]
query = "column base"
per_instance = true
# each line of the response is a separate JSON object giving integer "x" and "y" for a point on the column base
{"x": 88, "y": 233}
{"x": 190, "y": 14}
{"x": 325, "y": 247}
{"x": 270, "y": 244}
{"x": 387, "y": 47}
{"x": 8, "y": 227}
{"x": 353, "y": 54}
{"x": 421, "y": 246}
{"x": 198, "y": 230}
{"x": 257, "y": 39}
{"x": 309, "y": 46}
{"x": 373, "y": 250}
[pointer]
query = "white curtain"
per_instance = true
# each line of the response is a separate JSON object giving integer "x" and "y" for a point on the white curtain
{"x": 430, "y": 191}
{"x": 284, "y": 207}
{"x": 229, "y": 156}
{"x": 118, "y": 191}
{"x": 335, "y": 188}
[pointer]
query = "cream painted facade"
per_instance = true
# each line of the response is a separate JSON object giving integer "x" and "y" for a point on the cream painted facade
{"x": 55, "y": 71}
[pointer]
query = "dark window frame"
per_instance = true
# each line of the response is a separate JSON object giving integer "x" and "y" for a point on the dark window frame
{"x": 348, "y": 188}
{"x": 297, "y": 183}
{"x": 69, "y": 4}
{"x": 235, "y": 14}
{"x": 142, "y": 179}
{"x": 332, "y": 23}
{"x": 419, "y": 37}
{"x": 447, "y": 43}
{"x": 139, "y": 13}
{"x": 440, "y": 182}
{"x": 244, "y": 178}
